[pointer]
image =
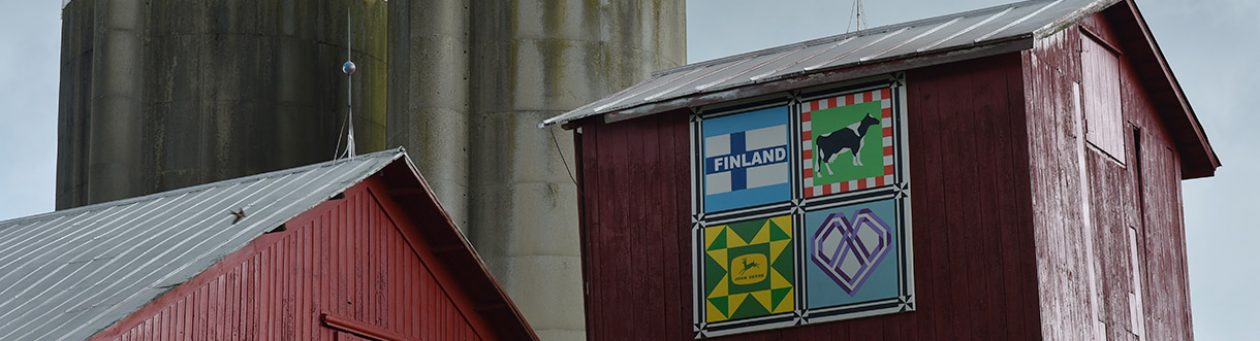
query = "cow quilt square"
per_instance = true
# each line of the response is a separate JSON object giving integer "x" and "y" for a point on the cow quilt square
{"x": 847, "y": 143}
{"x": 749, "y": 269}
{"x": 745, "y": 159}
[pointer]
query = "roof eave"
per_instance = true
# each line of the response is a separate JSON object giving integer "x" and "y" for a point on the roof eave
{"x": 1198, "y": 158}
{"x": 455, "y": 251}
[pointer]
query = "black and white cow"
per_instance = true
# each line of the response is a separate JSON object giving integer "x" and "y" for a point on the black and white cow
{"x": 848, "y": 138}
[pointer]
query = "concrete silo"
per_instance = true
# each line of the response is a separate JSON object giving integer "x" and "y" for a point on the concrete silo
{"x": 480, "y": 77}
{"x": 165, "y": 94}
{"x": 158, "y": 95}
{"x": 429, "y": 94}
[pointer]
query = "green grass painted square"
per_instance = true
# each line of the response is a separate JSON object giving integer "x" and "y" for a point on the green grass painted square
{"x": 827, "y": 121}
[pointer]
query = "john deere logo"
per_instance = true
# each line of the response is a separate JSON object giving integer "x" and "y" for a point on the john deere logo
{"x": 748, "y": 269}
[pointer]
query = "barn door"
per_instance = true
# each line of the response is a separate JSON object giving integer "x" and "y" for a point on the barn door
{"x": 1160, "y": 244}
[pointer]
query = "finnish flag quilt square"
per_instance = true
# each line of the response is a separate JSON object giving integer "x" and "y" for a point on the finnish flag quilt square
{"x": 746, "y": 159}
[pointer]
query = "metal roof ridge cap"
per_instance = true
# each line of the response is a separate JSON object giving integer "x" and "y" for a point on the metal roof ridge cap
{"x": 195, "y": 188}
{"x": 826, "y": 39}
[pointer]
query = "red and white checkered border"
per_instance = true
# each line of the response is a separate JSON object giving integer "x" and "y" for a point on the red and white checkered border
{"x": 884, "y": 96}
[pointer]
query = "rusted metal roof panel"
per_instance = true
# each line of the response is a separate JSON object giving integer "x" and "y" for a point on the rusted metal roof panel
{"x": 979, "y": 28}
{"x": 66, "y": 275}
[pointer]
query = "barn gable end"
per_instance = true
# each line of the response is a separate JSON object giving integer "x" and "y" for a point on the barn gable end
{"x": 1110, "y": 233}
{"x": 1045, "y": 198}
{"x": 352, "y": 248}
{"x": 352, "y": 265}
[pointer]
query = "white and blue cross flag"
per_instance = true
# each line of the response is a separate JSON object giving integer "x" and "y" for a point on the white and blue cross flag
{"x": 746, "y": 159}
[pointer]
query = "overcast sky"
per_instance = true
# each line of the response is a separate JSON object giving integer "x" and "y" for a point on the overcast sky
{"x": 1211, "y": 45}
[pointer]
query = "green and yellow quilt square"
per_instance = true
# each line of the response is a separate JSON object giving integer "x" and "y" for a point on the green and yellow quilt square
{"x": 749, "y": 269}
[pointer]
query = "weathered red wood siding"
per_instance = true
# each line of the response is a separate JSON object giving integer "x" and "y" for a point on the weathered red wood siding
{"x": 635, "y": 217}
{"x": 1110, "y": 238}
{"x": 973, "y": 241}
{"x": 357, "y": 258}
{"x": 1159, "y": 224}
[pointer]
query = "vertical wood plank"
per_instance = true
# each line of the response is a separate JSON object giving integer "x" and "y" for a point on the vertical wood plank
{"x": 591, "y": 183}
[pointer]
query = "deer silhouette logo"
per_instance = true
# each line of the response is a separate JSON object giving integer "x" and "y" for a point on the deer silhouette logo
{"x": 749, "y": 265}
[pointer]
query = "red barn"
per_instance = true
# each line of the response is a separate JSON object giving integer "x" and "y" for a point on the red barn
{"x": 1009, "y": 173}
{"x": 354, "y": 249}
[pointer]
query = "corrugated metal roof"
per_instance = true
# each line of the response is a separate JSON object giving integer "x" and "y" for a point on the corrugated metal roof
{"x": 66, "y": 275}
{"x": 1022, "y": 20}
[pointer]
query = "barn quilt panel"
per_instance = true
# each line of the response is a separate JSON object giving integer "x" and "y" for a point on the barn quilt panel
{"x": 802, "y": 210}
{"x": 847, "y": 142}
{"x": 748, "y": 269}
{"x": 746, "y": 159}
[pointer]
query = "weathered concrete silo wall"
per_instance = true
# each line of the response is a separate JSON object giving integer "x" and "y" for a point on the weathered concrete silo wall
{"x": 428, "y": 100}
{"x": 533, "y": 59}
{"x": 164, "y": 94}
{"x": 158, "y": 95}
{"x": 469, "y": 82}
